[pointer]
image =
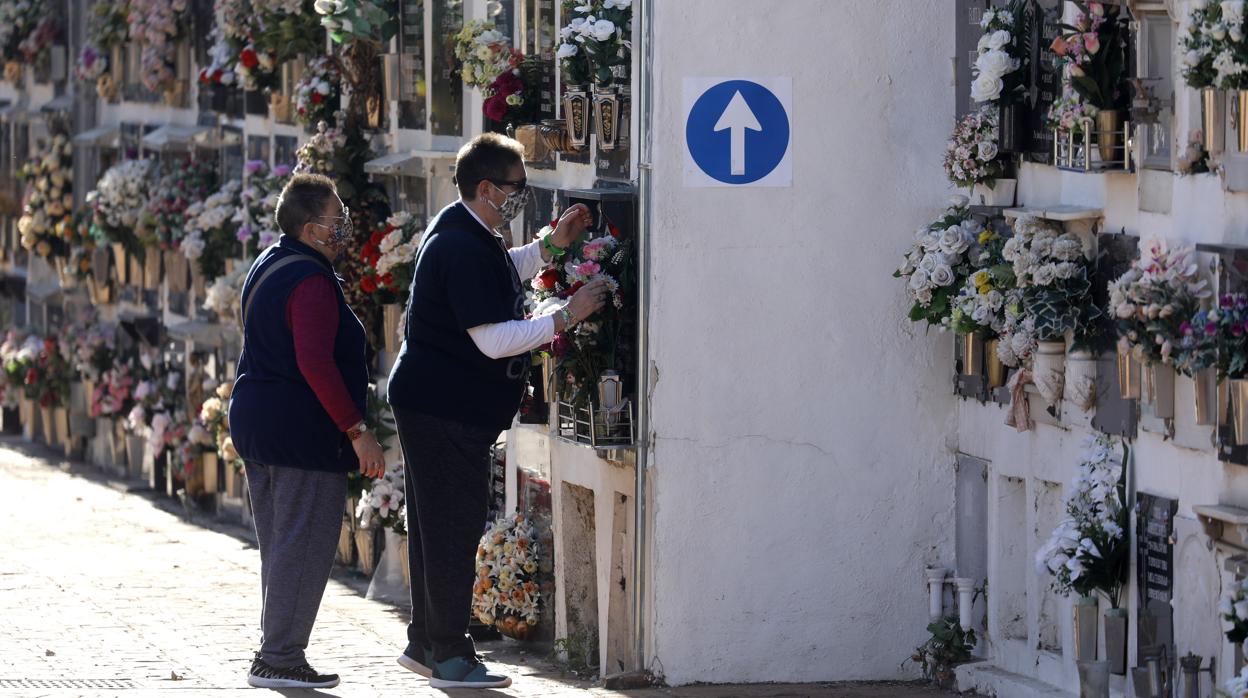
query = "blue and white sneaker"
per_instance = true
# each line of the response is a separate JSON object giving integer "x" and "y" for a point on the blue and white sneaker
{"x": 466, "y": 672}
{"x": 418, "y": 659}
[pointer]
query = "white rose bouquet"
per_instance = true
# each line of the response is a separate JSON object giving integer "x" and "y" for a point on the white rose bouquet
{"x": 939, "y": 262}
{"x": 596, "y": 42}
{"x": 119, "y": 199}
{"x": 1214, "y": 45}
{"x": 1001, "y": 55}
{"x": 971, "y": 155}
{"x": 1053, "y": 270}
{"x": 1154, "y": 299}
{"x": 210, "y": 227}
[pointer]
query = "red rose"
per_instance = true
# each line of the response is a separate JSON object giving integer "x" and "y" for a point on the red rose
{"x": 317, "y": 98}
{"x": 495, "y": 108}
{"x": 576, "y": 287}
{"x": 32, "y": 376}
{"x": 376, "y": 238}
{"x": 368, "y": 284}
{"x": 615, "y": 232}
{"x": 388, "y": 281}
{"x": 549, "y": 278}
{"x": 507, "y": 84}
{"x": 248, "y": 58}
{"x": 217, "y": 75}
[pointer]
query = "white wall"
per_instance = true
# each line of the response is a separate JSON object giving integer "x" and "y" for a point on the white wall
{"x": 802, "y": 472}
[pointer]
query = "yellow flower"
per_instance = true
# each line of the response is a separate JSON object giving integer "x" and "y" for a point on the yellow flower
{"x": 985, "y": 289}
{"x": 987, "y": 236}
{"x": 981, "y": 278}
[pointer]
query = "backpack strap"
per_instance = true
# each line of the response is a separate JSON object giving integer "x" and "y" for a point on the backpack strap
{"x": 283, "y": 262}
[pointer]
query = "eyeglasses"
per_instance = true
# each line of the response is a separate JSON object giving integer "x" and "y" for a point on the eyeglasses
{"x": 519, "y": 184}
{"x": 346, "y": 215}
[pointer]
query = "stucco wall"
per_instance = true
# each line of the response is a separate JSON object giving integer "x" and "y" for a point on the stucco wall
{"x": 802, "y": 472}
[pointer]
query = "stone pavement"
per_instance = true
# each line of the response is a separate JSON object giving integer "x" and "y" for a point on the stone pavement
{"x": 103, "y": 593}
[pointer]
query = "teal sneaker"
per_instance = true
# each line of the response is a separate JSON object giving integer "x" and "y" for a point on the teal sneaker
{"x": 418, "y": 659}
{"x": 466, "y": 672}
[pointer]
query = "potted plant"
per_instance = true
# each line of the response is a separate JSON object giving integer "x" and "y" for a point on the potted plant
{"x": 1093, "y": 55}
{"x": 1151, "y": 302}
{"x": 948, "y": 646}
{"x": 999, "y": 75}
{"x": 971, "y": 160}
{"x": 1089, "y": 551}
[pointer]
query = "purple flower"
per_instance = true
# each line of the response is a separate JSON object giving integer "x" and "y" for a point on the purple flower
{"x": 254, "y": 166}
{"x": 1186, "y": 327}
{"x": 1211, "y": 328}
{"x": 281, "y": 170}
{"x": 244, "y": 233}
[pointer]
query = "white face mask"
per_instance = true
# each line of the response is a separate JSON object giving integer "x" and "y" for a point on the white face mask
{"x": 512, "y": 205}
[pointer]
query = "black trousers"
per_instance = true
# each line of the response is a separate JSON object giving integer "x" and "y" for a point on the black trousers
{"x": 447, "y": 483}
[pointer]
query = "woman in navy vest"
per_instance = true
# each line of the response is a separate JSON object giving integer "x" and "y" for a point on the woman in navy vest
{"x": 297, "y": 419}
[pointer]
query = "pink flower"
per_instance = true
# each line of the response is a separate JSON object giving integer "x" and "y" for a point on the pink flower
{"x": 1092, "y": 42}
{"x": 587, "y": 269}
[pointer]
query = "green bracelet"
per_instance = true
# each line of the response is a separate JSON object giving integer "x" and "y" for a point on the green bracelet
{"x": 555, "y": 252}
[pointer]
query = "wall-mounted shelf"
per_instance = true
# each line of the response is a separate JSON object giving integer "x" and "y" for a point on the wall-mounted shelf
{"x": 1220, "y": 519}
{"x": 1063, "y": 214}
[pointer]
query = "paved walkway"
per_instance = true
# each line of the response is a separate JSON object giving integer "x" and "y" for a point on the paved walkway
{"x": 103, "y": 593}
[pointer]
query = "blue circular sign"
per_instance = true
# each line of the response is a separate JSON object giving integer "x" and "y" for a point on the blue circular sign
{"x": 737, "y": 132}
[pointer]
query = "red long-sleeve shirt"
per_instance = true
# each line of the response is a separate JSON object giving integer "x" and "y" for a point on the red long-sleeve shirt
{"x": 312, "y": 316}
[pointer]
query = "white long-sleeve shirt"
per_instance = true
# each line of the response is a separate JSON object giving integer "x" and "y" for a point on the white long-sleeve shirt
{"x": 502, "y": 339}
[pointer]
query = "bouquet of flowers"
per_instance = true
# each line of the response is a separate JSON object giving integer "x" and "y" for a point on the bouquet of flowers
{"x": 1068, "y": 111}
{"x": 164, "y": 219}
{"x": 1236, "y": 686}
{"x": 224, "y": 294}
{"x": 1234, "y": 611}
{"x": 319, "y": 92}
{"x": 1001, "y": 54}
{"x": 213, "y": 417}
{"x": 939, "y": 262}
{"x": 94, "y": 345}
{"x": 108, "y": 25}
{"x": 368, "y": 20}
{"x": 1093, "y": 54}
{"x": 970, "y": 156}
{"x": 391, "y": 257}
{"x": 584, "y": 351}
{"x": 50, "y": 200}
{"x": 980, "y": 304}
{"x": 1089, "y": 552}
{"x": 34, "y": 48}
{"x": 492, "y": 65}
{"x": 385, "y": 497}
{"x": 1200, "y": 43}
{"x": 48, "y": 376}
{"x": 596, "y": 41}
{"x": 210, "y": 237}
{"x": 1153, "y": 300}
{"x": 1053, "y": 270}
{"x": 91, "y": 63}
{"x": 507, "y": 593}
{"x": 113, "y": 393}
{"x": 319, "y": 154}
{"x": 18, "y": 20}
{"x": 1216, "y": 337}
{"x": 156, "y": 25}
{"x": 257, "y": 225}
{"x": 119, "y": 199}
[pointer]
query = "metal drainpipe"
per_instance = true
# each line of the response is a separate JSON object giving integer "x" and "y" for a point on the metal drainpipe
{"x": 644, "y": 109}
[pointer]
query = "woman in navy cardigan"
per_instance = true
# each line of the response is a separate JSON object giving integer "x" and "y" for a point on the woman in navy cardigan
{"x": 297, "y": 419}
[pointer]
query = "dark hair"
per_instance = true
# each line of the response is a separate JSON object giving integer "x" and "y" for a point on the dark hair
{"x": 302, "y": 199}
{"x": 487, "y": 156}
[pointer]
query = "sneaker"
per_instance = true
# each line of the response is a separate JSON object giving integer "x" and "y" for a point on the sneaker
{"x": 418, "y": 659}
{"x": 466, "y": 672}
{"x": 264, "y": 675}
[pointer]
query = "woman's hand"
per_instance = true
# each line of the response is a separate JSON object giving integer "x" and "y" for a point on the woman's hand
{"x": 372, "y": 459}
{"x": 588, "y": 300}
{"x": 572, "y": 225}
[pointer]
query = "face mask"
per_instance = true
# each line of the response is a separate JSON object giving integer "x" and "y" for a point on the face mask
{"x": 512, "y": 205}
{"x": 340, "y": 233}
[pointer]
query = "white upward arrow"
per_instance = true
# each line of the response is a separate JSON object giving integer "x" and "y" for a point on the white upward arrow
{"x": 737, "y": 117}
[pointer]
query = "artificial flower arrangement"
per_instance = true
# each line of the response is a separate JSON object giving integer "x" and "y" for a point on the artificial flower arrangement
{"x": 231, "y": 32}
{"x": 596, "y": 41}
{"x": 1068, "y": 111}
{"x": 1001, "y": 55}
{"x": 210, "y": 225}
{"x": 214, "y": 418}
{"x": 49, "y": 375}
{"x": 1089, "y": 551}
{"x": 491, "y": 64}
{"x": 1234, "y": 611}
{"x": 1216, "y": 337}
{"x": 1214, "y": 45}
{"x": 391, "y": 257}
{"x": 583, "y": 352}
{"x": 107, "y": 28}
{"x": 1236, "y": 686}
{"x": 156, "y": 26}
{"x": 380, "y": 506}
{"x": 980, "y": 305}
{"x": 164, "y": 218}
{"x": 1195, "y": 158}
{"x": 35, "y": 48}
{"x": 118, "y": 202}
{"x": 14, "y": 356}
{"x": 352, "y": 20}
{"x": 18, "y": 20}
{"x": 1092, "y": 53}
{"x": 319, "y": 92}
{"x": 113, "y": 393}
{"x": 223, "y": 295}
{"x": 507, "y": 593}
{"x": 1054, "y": 272}
{"x": 971, "y": 154}
{"x": 323, "y": 153}
{"x": 93, "y": 344}
{"x": 251, "y": 39}
{"x": 50, "y": 199}
{"x": 1155, "y": 299}
{"x": 257, "y": 225}
{"x": 158, "y": 411}
{"x": 938, "y": 263}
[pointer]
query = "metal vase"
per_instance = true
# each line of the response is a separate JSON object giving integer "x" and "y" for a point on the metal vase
{"x": 401, "y": 542}
{"x": 1238, "y": 388}
{"x": 210, "y": 465}
{"x": 47, "y": 426}
{"x": 177, "y": 269}
{"x": 610, "y": 396}
{"x": 1241, "y": 119}
{"x": 120, "y": 263}
{"x": 391, "y": 314}
{"x": 1213, "y": 115}
{"x": 1093, "y": 678}
{"x": 607, "y": 117}
{"x": 1116, "y": 640}
{"x": 1205, "y": 386}
{"x": 1128, "y": 377}
{"x": 993, "y": 368}
{"x": 366, "y": 545}
{"x": 1109, "y": 136}
{"x": 972, "y": 354}
{"x": 1161, "y": 383}
{"x": 1085, "y": 619}
{"x": 151, "y": 269}
{"x": 576, "y": 114}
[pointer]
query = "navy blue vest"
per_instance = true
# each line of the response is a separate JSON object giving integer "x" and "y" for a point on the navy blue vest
{"x": 275, "y": 417}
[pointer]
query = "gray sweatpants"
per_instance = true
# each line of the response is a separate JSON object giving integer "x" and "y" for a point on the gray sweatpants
{"x": 298, "y": 515}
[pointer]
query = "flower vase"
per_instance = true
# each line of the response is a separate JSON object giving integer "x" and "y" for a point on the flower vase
{"x": 26, "y": 415}
{"x": 576, "y": 113}
{"x": 391, "y": 314}
{"x": 1161, "y": 384}
{"x": 1128, "y": 376}
{"x": 279, "y": 106}
{"x": 610, "y": 397}
{"x": 210, "y": 464}
{"x": 366, "y": 545}
{"x": 1085, "y": 630}
{"x": 120, "y": 263}
{"x": 177, "y": 270}
{"x": 1213, "y": 116}
{"x": 134, "y": 453}
{"x": 1093, "y": 678}
{"x": 972, "y": 354}
{"x": 1241, "y": 120}
{"x": 404, "y": 562}
{"x": 1206, "y": 397}
{"x": 1049, "y": 370}
{"x": 47, "y": 426}
{"x": 60, "y": 417}
{"x": 388, "y": 583}
{"x": 994, "y": 369}
{"x": 13, "y": 72}
{"x": 1081, "y": 379}
{"x": 151, "y": 269}
{"x": 1001, "y": 193}
{"x": 1116, "y": 640}
{"x": 1238, "y": 661}
{"x": 1108, "y": 135}
{"x": 1238, "y": 390}
{"x": 345, "y": 554}
{"x": 607, "y": 117}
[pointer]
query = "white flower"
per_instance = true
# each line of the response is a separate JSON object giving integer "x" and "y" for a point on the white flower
{"x": 996, "y": 63}
{"x": 617, "y": 4}
{"x": 987, "y": 151}
{"x": 953, "y": 241}
{"x": 1233, "y": 12}
{"x": 986, "y": 88}
{"x": 1241, "y": 609}
{"x": 957, "y": 201}
{"x": 566, "y": 51}
{"x": 919, "y": 280}
{"x": 603, "y": 30}
{"x": 326, "y": 7}
{"x": 986, "y": 19}
{"x": 942, "y": 275}
{"x": 998, "y": 39}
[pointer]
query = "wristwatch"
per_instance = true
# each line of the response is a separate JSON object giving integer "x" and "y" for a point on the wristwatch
{"x": 357, "y": 431}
